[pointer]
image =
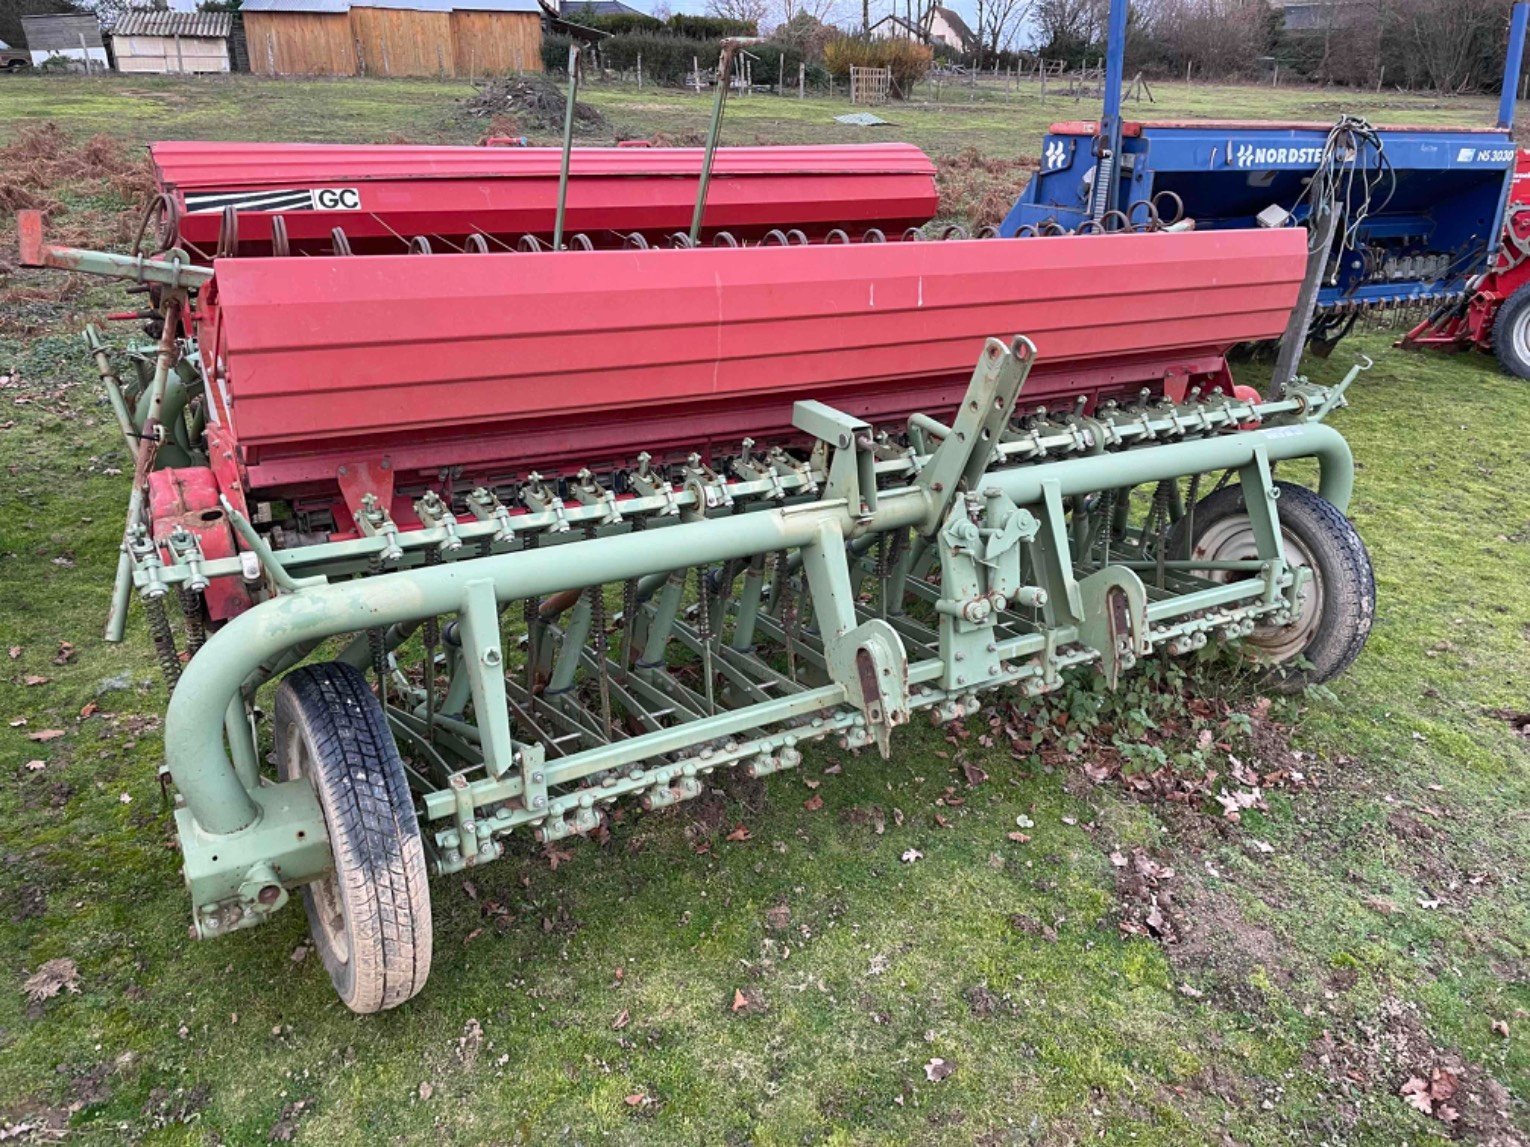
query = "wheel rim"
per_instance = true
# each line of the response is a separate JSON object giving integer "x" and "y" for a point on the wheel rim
{"x": 1520, "y": 336}
{"x": 328, "y": 915}
{"x": 1232, "y": 540}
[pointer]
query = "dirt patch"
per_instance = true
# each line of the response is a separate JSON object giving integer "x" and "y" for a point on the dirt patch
{"x": 1392, "y": 1052}
{"x": 980, "y": 189}
{"x": 528, "y": 103}
{"x": 1518, "y": 721}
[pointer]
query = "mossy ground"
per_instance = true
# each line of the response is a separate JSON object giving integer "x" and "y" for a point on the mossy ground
{"x": 1384, "y": 932}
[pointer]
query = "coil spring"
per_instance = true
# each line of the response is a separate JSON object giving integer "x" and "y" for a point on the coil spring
{"x": 377, "y": 643}
{"x": 164, "y": 641}
{"x": 1115, "y": 222}
{"x": 191, "y": 608}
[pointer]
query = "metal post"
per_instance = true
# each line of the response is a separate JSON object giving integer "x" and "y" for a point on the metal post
{"x": 1294, "y": 341}
{"x": 1511, "y": 66}
{"x": 724, "y": 64}
{"x": 1108, "y": 142}
{"x": 568, "y": 143}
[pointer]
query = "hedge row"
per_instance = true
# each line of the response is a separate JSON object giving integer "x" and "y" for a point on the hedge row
{"x": 672, "y": 59}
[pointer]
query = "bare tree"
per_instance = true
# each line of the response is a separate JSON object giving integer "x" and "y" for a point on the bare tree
{"x": 1068, "y": 27}
{"x": 823, "y": 11}
{"x": 998, "y": 23}
{"x": 750, "y": 11}
{"x": 1452, "y": 43}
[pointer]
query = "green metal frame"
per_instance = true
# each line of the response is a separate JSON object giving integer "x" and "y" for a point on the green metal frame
{"x": 786, "y": 601}
{"x": 1036, "y": 574}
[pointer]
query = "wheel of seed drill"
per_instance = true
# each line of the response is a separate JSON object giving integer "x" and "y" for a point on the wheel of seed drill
{"x": 370, "y": 917}
{"x": 1511, "y": 333}
{"x": 1334, "y": 619}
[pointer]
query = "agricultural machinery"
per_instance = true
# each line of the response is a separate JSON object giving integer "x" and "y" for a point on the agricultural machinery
{"x": 1403, "y": 220}
{"x": 517, "y": 528}
{"x": 1495, "y": 315}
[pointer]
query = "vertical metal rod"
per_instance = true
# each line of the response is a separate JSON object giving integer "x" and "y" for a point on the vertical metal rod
{"x": 568, "y": 143}
{"x": 1109, "y": 138}
{"x": 1289, "y": 355}
{"x": 1511, "y": 66}
{"x": 113, "y": 387}
{"x": 724, "y": 66}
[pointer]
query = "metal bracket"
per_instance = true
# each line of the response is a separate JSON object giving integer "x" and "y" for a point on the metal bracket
{"x": 1114, "y": 622}
{"x": 978, "y": 428}
{"x": 852, "y": 463}
{"x": 868, "y": 660}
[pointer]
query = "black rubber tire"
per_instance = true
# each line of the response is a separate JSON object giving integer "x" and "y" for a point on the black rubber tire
{"x": 370, "y": 919}
{"x": 1514, "y": 312}
{"x": 1340, "y": 566}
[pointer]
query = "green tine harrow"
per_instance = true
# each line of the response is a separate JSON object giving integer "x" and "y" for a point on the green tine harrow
{"x": 538, "y": 651}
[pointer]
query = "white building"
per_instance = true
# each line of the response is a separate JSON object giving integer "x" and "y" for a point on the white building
{"x": 159, "y": 41}
{"x": 941, "y": 26}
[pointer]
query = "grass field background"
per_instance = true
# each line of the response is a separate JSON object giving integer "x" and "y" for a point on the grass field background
{"x": 1368, "y": 928}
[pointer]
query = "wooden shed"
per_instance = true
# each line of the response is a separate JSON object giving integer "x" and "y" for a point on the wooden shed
{"x": 157, "y": 40}
{"x": 459, "y": 38}
{"x": 76, "y": 38}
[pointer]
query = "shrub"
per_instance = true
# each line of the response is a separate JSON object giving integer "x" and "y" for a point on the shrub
{"x": 709, "y": 27}
{"x": 617, "y": 23}
{"x": 666, "y": 59}
{"x": 555, "y": 52}
{"x": 909, "y": 62}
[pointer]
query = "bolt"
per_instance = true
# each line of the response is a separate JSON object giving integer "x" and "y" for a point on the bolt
{"x": 536, "y": 778}
{"x": 539, "y": 802}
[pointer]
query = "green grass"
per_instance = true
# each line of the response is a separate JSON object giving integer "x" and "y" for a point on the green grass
{"x": 1090, "y": 1037}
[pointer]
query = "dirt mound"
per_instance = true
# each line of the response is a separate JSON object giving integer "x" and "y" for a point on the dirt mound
{"x": 980, "y": 189}
{"x": 90, "y": 189}
{"x": 531, "y": 102}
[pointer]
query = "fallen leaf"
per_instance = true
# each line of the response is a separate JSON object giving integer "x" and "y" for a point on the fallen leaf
{"x": 740, "y": 1002}
{"x": 556, "y": 856}
{"x": 51, "y": 979}
{"x": 910, "y": 855}
{"x": 34, "y": 679}
{"x": 621, "y": 1021}
{"x": 1019, "y": 837}
{"x": 636, "y": 1100}
{"x": 37, "y": 766}
{"x": 300, "y": 953}
{"x": 1192, "y": 993}
{"x": 45, "y": 735}
{"x": 125, "y": 798}
{"x": 1501, "y": 1027}
{"x": 739, "y": 834}
{"x": 65, "y": 652}
{"x": 937, "y": 1069}
{"x": 15, "y": 652}
{"x": 975, "y": 775}
{"x": 426, "y": 1090}
{"x": 90, "y": 709}
{"x": 813, "y": 803}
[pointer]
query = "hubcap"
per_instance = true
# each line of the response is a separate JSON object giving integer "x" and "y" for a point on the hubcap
{"x": 328, "y": 906}
{"x": 1231, "y": 539}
